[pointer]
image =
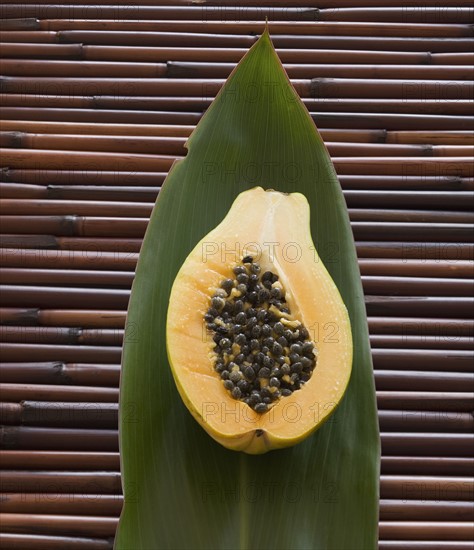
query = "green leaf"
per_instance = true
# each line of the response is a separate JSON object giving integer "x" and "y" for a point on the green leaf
{"x": 183, "y": 490}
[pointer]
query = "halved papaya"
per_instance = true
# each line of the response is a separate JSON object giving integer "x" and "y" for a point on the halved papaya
{"x": 258, "y": 337}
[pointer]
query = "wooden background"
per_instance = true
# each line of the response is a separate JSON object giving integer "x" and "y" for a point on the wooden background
{"x": 98, "y": 101}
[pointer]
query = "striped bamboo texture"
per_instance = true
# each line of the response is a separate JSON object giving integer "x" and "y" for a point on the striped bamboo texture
{"x": 97, "y": 102}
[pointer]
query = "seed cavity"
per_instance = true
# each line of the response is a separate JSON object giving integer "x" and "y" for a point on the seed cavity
{"x": 262, "y": 352}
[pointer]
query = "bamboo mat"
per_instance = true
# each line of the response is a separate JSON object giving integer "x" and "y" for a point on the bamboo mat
{"x": 97, "y": 102}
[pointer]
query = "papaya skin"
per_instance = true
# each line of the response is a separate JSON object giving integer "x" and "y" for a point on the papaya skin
{"x": 257, "y": 218}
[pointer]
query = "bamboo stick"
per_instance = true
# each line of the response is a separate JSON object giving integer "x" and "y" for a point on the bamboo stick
{"x": 427, "y": 306}
{"x": 72, "y": 415}
{"x": 68, "y": 317}
{"x": 446, "y": 402}
{"x": 88, "y": 69}
{"x": 421, "y": 326}
{"x": 22, "y": 541}
{"x": 420, "y": 421}
{"x": 13, "y": 295}
{"x": 444, "y": 342}
{"x": 67, "y": 439}
{"x": 79, "y": 208}
{"x": 413, "y": 4}
{"x": 410, "y": 251}
{"x": 24, "y": 24}
{"x": 202, "y": 69}
{"x": 159, "y": 54}
{"x": 148, "y": 24}
{"x": 426, "y": 530}
{"x": 417, "y": 444}
{"x": 93, "y": 505}
{"x": 406, "y": 380}
{"x": 102, "y": 116}
{"x": 417, "y": 268}
{"x": 188, "y": 39}
{"x": 423, "y": 545}
{"x": 413, "y": 231}
{"x": 369, "y": 214}
{"x": 424, "y": 465}
{"x": 65, "y": 460}
{"x": 449, "y": 137}
{"x": 41, "y": 37}
{"x": 59, "y": 525}
{"x": 100, "y": 244}
{"x": 84, "y": 483}
{"x": 70, "y": 354}
{"x": 421, "y": 359}
{"x": 81, "y": 374}
{"x": 197, "y": 69}
{"x": 397, "y": 14}
{"x": 428, "y": 488}
{"x": 119, "y": 279}
{"x": 45, "y": 392}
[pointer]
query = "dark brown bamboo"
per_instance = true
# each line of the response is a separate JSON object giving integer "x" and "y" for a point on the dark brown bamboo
{"x": 78, "y": 128}
{"x": 146, "y": 24}
{"x": 40, "y": 37}
{"x": 412, "y": 166}
{"x": 65, "y": 439}
{"x": 417, "y": 268}
{"x": 92, "y": 483}
{"x": 45, "y": 392}
{"x": 39, "y": 159}
{"x": 428, "y": 488}
{"x": 158, "y": 54}
{"x": 102, "y": 116}
{"x": 129, "y": 38}
{"x": 147, "y": 12}
{"x": 23, "y": 24}
{"x": 61, "y": 460}
{"x": 52, "y": 242}
{"x": 421, "y": 359}
{"x": 452, "y": 58}
{"x": 78, "y": 208}
{"x": 414, "y": 199}
{"x": 88, "y": 258}
{"x": 194, "y": 69}
{"x": 397, "y": 14}
{"x": 70, "y": 318}
{"x": 59, "y": 525}
{"x": 417, "y": 421}
{"x": 18, "y": 541}
{"x": 417, "y": 444}
{"x": 22, "y": 191}
{"x": 425, "y": 465}
{"x": 118, "y": 279}
{"x": 422, "y": 326}
{"x": 81, "y": 374}
{"x": 70, "y": 225}
{"x": 426, "y": 530}
{"x": 447, "y": 402}
{"x": 36, "y": 296}
{"x": 69, "y": 354}
{"x": 94, "y": 505}
{"x": 422, "y": 545}
{"x": 69, "y": 415}
{"x": 426, "y": 306}
{"x": 90, "y": 69}
{"x": 48, "y": 51}
{"x": 406, "y": 341}
{"x": 411, "y": 251}
{"x": 385, "y": 215}
{"x": 414, "y": 380}
{"x": 448, "y": 137}
{"x": 215, "y": 4}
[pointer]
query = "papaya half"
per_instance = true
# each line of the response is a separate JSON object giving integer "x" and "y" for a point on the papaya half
{"x": 258, "y": 337}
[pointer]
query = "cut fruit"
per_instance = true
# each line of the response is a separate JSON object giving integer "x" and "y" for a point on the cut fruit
{"x": 258, "y": 337}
